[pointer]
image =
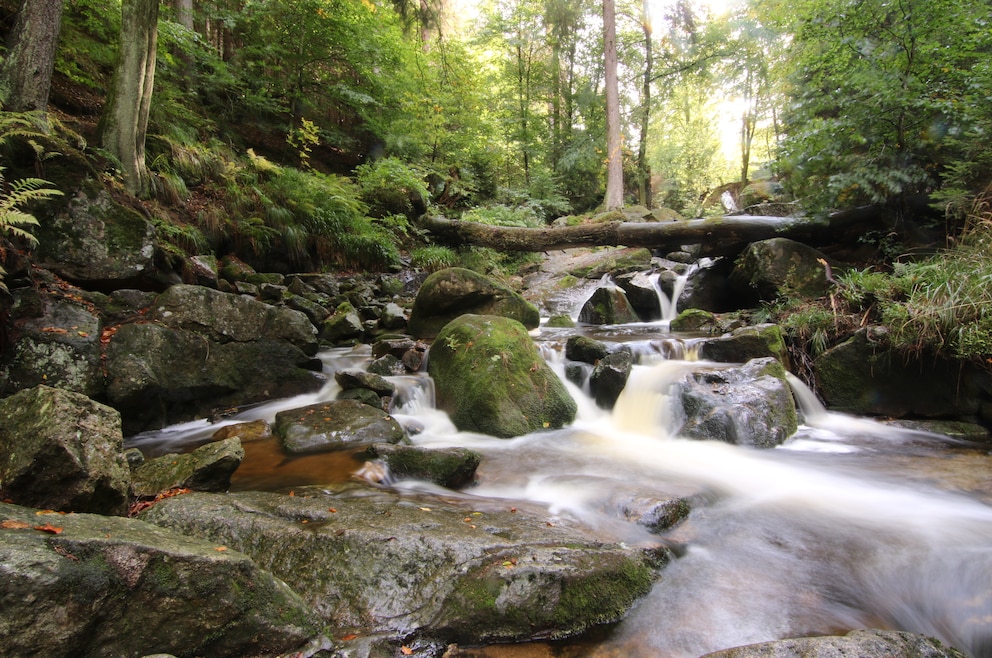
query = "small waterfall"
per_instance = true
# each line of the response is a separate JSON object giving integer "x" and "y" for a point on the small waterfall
{"x": 669, "y": 305}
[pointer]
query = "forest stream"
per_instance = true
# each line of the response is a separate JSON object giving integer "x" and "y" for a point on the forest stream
{"x": 850, "y": 524}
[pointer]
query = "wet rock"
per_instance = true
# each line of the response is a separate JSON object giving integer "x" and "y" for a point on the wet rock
{"x": 105, "y": 586}
{"x": 585, "y": 349}
{"x": 59, "y": 347}
{"x": 612, "y": 261}
{"x": 255, "y": 430}
{"x": 696, "y": 320}
{"x": 770, "y": 266}
{"x": 200, "y": 270}
{"x": 60, "y": 450}
{"x": 392, "y": 317}
{"x": 608, "y": 305}
{"x": 158, "y": 376}
{"x": 448, "y": 467}
{"x": 208, "y": 468}
{"x": 560, "y": 321}
{"x": 874, "y": 643}
{"x": 449, "y": 293}
{"x": 491, "y": 378}
{"x": 334, "y": 425}
{"x": 233, "y": 269}
{"x": 387, "y": 366}
{"x": 352, "y": 378}
{"x": 343, "y": 327}
{"x": 314, "y": 311}
{"x": 746, "y": 343}
{"x": 373, "y": 560}
{"x": 749, "y": 405}
{"x": 225, "y": 318}
{"x": 609, "y": 377}
{"x": 642, "y": 293}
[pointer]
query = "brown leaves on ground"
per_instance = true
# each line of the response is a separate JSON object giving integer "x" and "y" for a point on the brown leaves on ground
{"x": 14, "y": 524}
{"x": 139, "y": 506}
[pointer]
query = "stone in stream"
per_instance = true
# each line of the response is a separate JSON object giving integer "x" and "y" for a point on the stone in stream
{"x": 208, "y": 468}
{"x": 491, "y": 378}
{"x": 608, "y": 305}
{"x": 472, "y": 570}
{"x": 873, "y": 643}
{"x": 88, "y": 585}
{"x": 446, "y": 467}
{"x": 333, "y": 426}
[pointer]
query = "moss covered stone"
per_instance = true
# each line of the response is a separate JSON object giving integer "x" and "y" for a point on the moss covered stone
{"x": 491, "y": 379}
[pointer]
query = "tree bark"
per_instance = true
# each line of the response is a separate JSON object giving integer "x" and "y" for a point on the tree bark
{"x": 614, "y": 155}
{"x": 184, "y": 13}
{"x": 720, "y": 236}
{"x": 124, "y": 123}
{"x": 643, "y": 168}
{"x": 26, "y": 75}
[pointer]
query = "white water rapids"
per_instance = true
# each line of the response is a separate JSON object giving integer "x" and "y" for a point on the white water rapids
{"x": 851, "y": 524}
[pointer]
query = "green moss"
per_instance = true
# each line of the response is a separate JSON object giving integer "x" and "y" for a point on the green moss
{"x": 608, "y": 594}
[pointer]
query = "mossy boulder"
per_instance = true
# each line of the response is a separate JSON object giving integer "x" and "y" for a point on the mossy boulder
{"x": 449, "y": 293}
{"x": 770, "y": 268}
{"x": 746, "y": 343}
{"x": 373, "y": 561}
{"x": 490, "y": 378}
{"x": 105, "y": 586}
{"x": 343, "y": 327}
{"x": 695, "y": 320}
{"x": 60, "y": 450}
{"x": 613, "y": 261}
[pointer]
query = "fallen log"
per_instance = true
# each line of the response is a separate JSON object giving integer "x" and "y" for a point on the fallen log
{"x": 717, "y": 236}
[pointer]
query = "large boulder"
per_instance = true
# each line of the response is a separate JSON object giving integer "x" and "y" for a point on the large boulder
{"x": 60, "y": 450}
{"x": 768, "y": 267}
{"x": 87, "y": 585}
{"x": 491, "y": 378}
{"x": 874, "y": 643}
{"x": 861, "y": 376}
{"x": 98, "y": 242}
{"x": 455, "y": 291}
{"x": 749, "y": 405}
{"x": 374, "y": 561}
{"x": 742, "y": 345}
{"x": 157, "y": 375}
{"x": 226, "y": 318}
{"x": 336, "y": 425}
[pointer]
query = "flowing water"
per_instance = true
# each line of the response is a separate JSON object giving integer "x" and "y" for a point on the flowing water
{"x": 850, "y": 524}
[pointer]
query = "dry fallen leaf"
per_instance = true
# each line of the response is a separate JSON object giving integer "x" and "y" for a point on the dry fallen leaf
{"x": 220, "y": 549}
{"x": 350, "y": 636}
{"x": 13, "y": 524}
{"x": 406, "y": 651}
{"x": 49, "y": 528}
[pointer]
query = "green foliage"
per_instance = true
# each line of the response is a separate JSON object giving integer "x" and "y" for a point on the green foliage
{"x": 500, "y": 215}
{"x": 884, "y": 97}
{"x": 391, "y": 187}
{"x": 433, "y": 258}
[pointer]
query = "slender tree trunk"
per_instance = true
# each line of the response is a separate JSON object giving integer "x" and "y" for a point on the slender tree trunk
{"x": 125, "y": 118}
{"x": 643, "y": 168}
{"x": 614, "y": 156}
{"x": 26, "y": 75}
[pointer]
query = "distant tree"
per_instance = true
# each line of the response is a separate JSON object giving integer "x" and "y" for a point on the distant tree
{"x": 26, "y": 74}
{"x": 614, "y": 155}
{"x": 124, "y": 123}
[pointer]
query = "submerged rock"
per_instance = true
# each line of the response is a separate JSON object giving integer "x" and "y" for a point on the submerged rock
{"x": 60, "y": 450}
{"x": 491, "y": 378}
{"x": 87, "y": 585}
{"x": 449, "y": 293}
{"x": 447, "y": 467}
{"x": 374, "y": 561}
{"x": 874, "y": 643}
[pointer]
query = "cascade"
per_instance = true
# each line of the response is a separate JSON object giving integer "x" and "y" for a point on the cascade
{"x": 850, "y": 524}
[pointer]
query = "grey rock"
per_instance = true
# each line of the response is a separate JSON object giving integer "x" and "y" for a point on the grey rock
{"x": 208, "y": 468}
{"x": 334, "y": 425}
{"x": 873, "y": 643}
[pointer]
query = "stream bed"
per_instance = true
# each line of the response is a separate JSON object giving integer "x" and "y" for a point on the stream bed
{"x": 850, "y": 524}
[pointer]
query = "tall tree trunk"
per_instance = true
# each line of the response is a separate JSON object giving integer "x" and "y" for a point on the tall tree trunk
{"x": 614, "y": 156}
{"x": 26, "y": 75}
{"x": 643, "y": 168}
{"x": 125, "y": 118}
{"x": 184, "y": 13}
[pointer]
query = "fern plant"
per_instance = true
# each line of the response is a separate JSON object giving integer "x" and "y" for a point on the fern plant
{"x": 14, "y": 220}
